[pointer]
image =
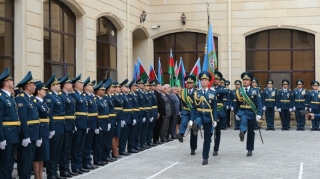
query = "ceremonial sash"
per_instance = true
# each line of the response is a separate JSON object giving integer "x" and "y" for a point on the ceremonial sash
{"x": 248, "y": 100}
{"x": 185, "y": 98}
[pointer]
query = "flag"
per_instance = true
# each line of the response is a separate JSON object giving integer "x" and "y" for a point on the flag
{"x": 171, "y": 70}
{"x": 196, "y": 71}
{"x": 134, "y": 74}
{"x": 142, "y": 72}
{"x": 181, "y": 72}
{"x": 160, "y": 75}
{"x": 152, "y": 73}
{"x": 175, "y": 69}
{"x": 210, "y": 57}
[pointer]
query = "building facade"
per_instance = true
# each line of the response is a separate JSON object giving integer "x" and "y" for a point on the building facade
{"x": 104, "y": 38}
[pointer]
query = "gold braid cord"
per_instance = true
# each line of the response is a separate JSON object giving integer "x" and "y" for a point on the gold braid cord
{"x": 240, "y": 98}
{"x": 201, "y": 99}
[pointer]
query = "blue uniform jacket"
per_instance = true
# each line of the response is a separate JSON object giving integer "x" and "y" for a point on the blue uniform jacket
{"x": 28, "y": 112}
{"x": 269, "y": 98}
{"x": 92, "y": 111}
{"x": 108, "y": 99}
{"x": 233, "y": 100}
{"x": 103, "y": 111}
{"x": 118, "y": 106}
{"x": 69, "y": 110}
{"x": 127, "y": 105}
{"x": 185, "y": 110}
{"x": 299, "y": 98}
{"x": 8, "y": 113}
{"x": 207, "y": 101}
{"x": 133, "y": 98}
{"x": 43, "y": 111}
{"x": 141, "y": 103}
{"x": 82, "y": 107}
{"x": 244, "y": 109}
{"x": 313, "y": 99}
{"x": 56, "y": 106}
{"x": 154, "y": 104}
{"x": 222, "y": 94}
{"x": 284, "y": 99}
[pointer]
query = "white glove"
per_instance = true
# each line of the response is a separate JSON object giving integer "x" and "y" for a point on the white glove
{"x": 3, "y": 144}
{"x": 305, "y": 108}
{"x": 51, "y": 134}
{"x": 109, "y": 127}
{"x": 144, "y": 119}
{"x": 87, "y": 130}
{"x": 310, "y": 110}
{"x": 275, "y": 108}
{"x": 151, "y": 119}
{"x": 231, "y": 108}
{"x": 134, "y": 122}
{"x": 190, "y": 124}
{"x": 96, "y": 131}
{"x": 290, "y": 109}
{"x": 264, "y": 108}
{"x": 75, "y": 128}
{"x": 279, "y": 109}
{"x": 237, "y": 118}
{"x": 258, "y": 117}
{"x": 26, "y": 142}
{"x": 294, "y": 108}
{"x": 214, "y": 124}
{"x": 123, "y": 123}
{"x": 227, "y": 107}
{"x": 39, "y": 142}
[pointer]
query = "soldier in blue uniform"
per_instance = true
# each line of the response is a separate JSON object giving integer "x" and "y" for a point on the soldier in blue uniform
{"x": 69, "y": 111}
{"x": 81, "y": 126}
{"x": 42, "y": 149}
{"x": 222, "y": 93}
{"x": 313, "y": 102}
{"x": 9, "y": 125}
{"x": 142, "y": 113}
{"x": 234, "y": 106}
{"x": 118, "y": 108}
{"x": 269, "y": 103}
{"x": 228, "y": 103}
{"x": 153, "y": 113}
{"x": 148, "y": 110}
{"x": 57, "y": 125}
{"x": 284, "y": 104}
{"x": 206, "y": 113}
{"x": 106, "y": 152}
{"x": 29, "y": 128}
{"x": 299, "y": 96}
{"x": 188, "y": 112}
{"x": 134, "y": 99}
{"x": 100, "y": 138}
{"x": 250, "y": 110}
{"x": 127, "y": 121}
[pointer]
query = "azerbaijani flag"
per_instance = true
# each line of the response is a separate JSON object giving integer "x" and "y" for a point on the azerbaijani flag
{"x": 135, "y": 72}
{"x": 196, "y": 71}
{"x": 142, "y": 72}
{"x": 171, "y": 70}
{"x": 181, "y": 72}
{"x": 152, "y": 73}
{"x": 210, "y": 56}
{"x": 160, "y": 74}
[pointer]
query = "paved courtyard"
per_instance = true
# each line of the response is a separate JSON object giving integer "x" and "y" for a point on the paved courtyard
{"x": 284, "y": 154}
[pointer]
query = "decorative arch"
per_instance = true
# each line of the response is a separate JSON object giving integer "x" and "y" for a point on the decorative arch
{"x": 75, "y": 7}
{"x": 171, "y": 31}
{"x": 279, "y": 27}
{"x": 142, "y": 30}
{"x": 113, "y": 18}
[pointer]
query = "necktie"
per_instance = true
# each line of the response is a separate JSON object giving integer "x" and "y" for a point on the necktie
{"x": 189, "y": 92}
{"x": 246, "y": 90}
{"x": 270, "y": 89}
{"x": 204, "y": 91}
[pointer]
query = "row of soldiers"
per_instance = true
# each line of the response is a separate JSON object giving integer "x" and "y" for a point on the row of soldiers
{"x": 71, "y": 118}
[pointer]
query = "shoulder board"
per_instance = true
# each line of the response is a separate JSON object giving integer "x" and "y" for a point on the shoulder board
{"x": 95, "y": 98}
{"x": 50, "y": 92}
{"x": 21, "y": 95}
{"x": 60, "y": 93}
{"x": 130, "y": 92}
{"x": 198, "y": 89}
{"x": 275, "y": 88}
{"x": 112, "y": 94}
{"x": 121, "y": 93}
{"x": 73, "y": 91}
{"x": 84, "y": 94}
{"x": 0, "y": 94}
{"x": 48, "y": 100}
{"x": 34, "y": 100}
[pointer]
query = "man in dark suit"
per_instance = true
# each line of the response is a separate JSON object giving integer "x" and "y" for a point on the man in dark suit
{"x": 166, "y": 117}
{"x": 162, "y": 113}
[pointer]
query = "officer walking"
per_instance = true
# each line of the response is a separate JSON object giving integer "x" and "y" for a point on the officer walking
{"x": 250, "y": 110}
{"x": 313, "y": 101}
{"x": 284, "y": 104}
{"x": 234, "y": 106}
{"x": 9, "y": 125}
{"x": 299, "y": 96}
{"x": 28, "y": 115}
{"x": 206, "y": 113}
{"x": 269, "y": 103}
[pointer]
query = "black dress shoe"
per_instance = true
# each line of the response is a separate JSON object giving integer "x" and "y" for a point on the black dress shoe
{"x": 109, "y": 160}
{"x": 169, "y": 140}
{"x": 94, "y": 167}
{"x": 228, "y": 125}
{"x": 272, "y": 129}
{"x": 193, "y": 152}
{"x": 51, "y": 177}
{"x": 195, "y": 129}
{"x": 65, "y": 174}
{"x": 105, "y": 162}
{"x": 77, "y": 171}
{"x": 59, "y": 177}
{"x": 151, "y": 145}
{"x": 99, "y": 164}
{"x": 158, "y": 142}
{"x": 205, "y": 162}
{"x": 249, "y": 153}
{"x": 164, "y": 140}
{"x": 302, "y": 128}
{"x": 173, "y": 137}
{"x": 179, "y": 137}
{"x": 133, "y": 151}
{"x": 313, "y": 129}
{"x": 124, "y": 153}
{"x": 137, "y": 148}
{"x": 113, "y": 156}
{"x": 71, "y": 173}
{"x": 84, "y": 170}
{"x": 241, "y": 135}
{"x": 88, "y": 167}
{"x": 215, "y": 153}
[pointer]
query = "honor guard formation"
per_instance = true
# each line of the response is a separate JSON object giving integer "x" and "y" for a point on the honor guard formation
{"x": 70, "y": 126}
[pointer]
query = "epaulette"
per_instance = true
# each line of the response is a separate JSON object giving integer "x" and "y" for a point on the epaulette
{"x": 130, "y": 92}
{"x": 60, "y": 93}
{"x": 0, "y": 94}
{"x": 112, "y": 94}
{"x": 34, "y": 100}
{"x": 21, "y": 95}
{"x": 121, "y": 93}
{"x": 73, "y": 91}
{"x": 50, "y": 92}
{"x": 84, "y": 94}
{"x": 95, "y": 98}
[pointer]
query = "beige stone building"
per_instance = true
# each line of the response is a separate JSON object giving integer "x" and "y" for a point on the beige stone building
{"x": 98, "y": 38}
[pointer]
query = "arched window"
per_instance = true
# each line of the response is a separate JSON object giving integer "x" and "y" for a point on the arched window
{"x": 106, "y": 49}
{"x": 281, "y": 54}
{"x": 59, "y": 39}
{"x": 188, "y": 45}
{"x": 6, "y": 35}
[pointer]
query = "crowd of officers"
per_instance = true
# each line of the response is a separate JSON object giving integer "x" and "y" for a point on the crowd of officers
{"x": 62, "y": 122}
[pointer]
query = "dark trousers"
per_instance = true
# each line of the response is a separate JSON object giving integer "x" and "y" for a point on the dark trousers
{"x": 99, "y": 141}
{"x": 131, "y": 137}
{"x": 315, "y": 124}
{"x": 236, "y": 122}
{"x": 228, "y": 117}
{"x": 173, "y": 124}
{"x": 207, "y": 127}
{"x": 7, "y": 160}
{"x": 193, "y": 140}
{"x": 270, "y": 117}
{"x": 124, "y": 138}
{"x": 300, "y": 118}
{"x": 77, "y": 148}
{"x": 285, "y": 118}
{"x": 164, "y": 127}
{"x": 143, "y": 132}
{"x": 251, "y": 134}
{"x": 88, "y": 148}
{"x": 157, "y": 129}
{"x": 66, "y": 148}
{"x": 25, "y": 160}
{"x": 150, "y": 130}
{"x": 106, "y": 153}
{"x": 55, "y": 150}
{"x": 217, "y": 135}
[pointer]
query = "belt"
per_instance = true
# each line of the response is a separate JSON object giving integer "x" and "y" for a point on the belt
{"x": 234, "y": 100}
{"x": 285, "y": 101}
{"x": 58, "y": 117}
{"x": 154, "y": 107}
{"x": 148, "y": 108}
{"x": 44, "y": 120}
{"x": 269, "y": 100}
{"x": 81, "y": 113}
{"x": 11, "y": 123}
{"x": 136, "y": 109}
{"x": 185, "y": 108}
{"x": 127, "y": 110}
{"x": 299, "y": 100}
{"x": 69, "y": 117}
{"x": 103, "y": 116}
{"x": 204, "y": 110}
{"x": 245, "y": 106}
{"x": 92, "y": 114}
{"x": 118, "y": 108}
{"x": 141, "y": 108}
{"x": 112, "y": 115}
{"x": 315, "y": 102}
{"x": 33, "y": 122}
{"x": 220, "y": 104}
